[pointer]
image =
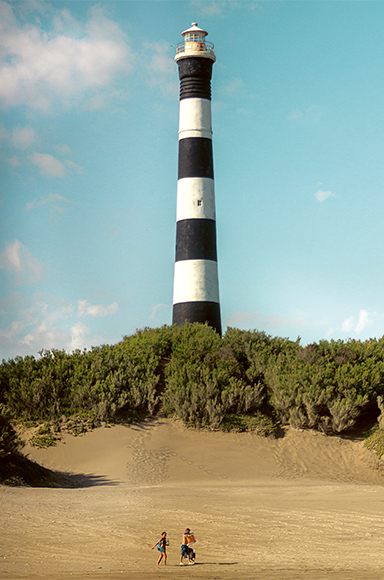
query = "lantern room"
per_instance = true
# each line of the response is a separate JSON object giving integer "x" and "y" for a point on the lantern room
{"x": 195, "y": 44}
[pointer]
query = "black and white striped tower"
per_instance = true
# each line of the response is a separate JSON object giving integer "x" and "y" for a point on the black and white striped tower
{"x": 196, "y": 285}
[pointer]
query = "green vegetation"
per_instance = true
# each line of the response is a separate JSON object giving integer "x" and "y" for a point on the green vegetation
{"x": 375, "y": 441}
{"x": 9, "y": 440}
{"x": 246, "y": 380}
{"x": 46, "y": 436}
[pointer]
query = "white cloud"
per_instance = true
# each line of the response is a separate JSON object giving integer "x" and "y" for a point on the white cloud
{"x": 307, "y": 116}
{"x": 152, "y": 316}
{"x": 53, "y": 200}
{"x": 161, "y": 68}
{"x": 47, "y": 164}
{"x": 363, "y": 321}
{"x": 233, "y": 87}
{"x": 13, "y": 161}
{"x": 347, "y": 325}
{"x": 40, "y": 68}
{"x": 64, "y": 149}
{"x": 211, "y": 9}
{"x": 241, "y": 319}
{"x": 63, "y": 21}
{"x": 78, "y": 333}
{"x": 3, "y": 134}
{"x": 23, "y": 137}
{"x": 95, "y": 310}
{"x": 219, "y": 8}
{"x": 322, "y": 195}
{"x": 250, "y": 319}
{"x": 17, "y": 259}
{"x": 296, "y": 114}
{"x": 45, "y": 321}
{"x": 74, "y": 166}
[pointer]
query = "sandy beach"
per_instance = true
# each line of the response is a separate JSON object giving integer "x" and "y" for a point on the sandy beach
{"x": 303, "y": 506}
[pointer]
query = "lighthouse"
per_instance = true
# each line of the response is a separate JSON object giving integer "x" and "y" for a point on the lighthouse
{"x": 196, "y": 284}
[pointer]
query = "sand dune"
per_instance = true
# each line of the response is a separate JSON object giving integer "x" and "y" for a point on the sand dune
{"x": 303, "y": 506}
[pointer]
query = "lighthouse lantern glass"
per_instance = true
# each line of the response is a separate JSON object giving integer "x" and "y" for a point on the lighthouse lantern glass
{"x": 194, "y": 43}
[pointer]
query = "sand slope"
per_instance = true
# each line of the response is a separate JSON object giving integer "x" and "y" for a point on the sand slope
{"x": 301, "y": 506}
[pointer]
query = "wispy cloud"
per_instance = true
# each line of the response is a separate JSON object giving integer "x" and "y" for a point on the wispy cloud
{"x": 348, "y": 325}
{"x": 38, "y": 325}
{"x": 152, "y": 316}
{"x": 17, "y": 259}
{"x": 84, "y": 308}
{"x": 307, "y": 116}
{"x": 322, "y": 195}
{"x": 23, "y": 137}
{"x": 53, "y": 200}
{"x": 250, "y": 319}
{"x": 47, "y": 164}
{"x": 211, "y": 9}
{"x": 13, "y": 161}
{"x": 44, "y": 321}
{"x": 65, "y": 64}
{"x": 220, "y": 8}
{"x": 77, "y": 168}
{"x": 233, "y": 87}
{"x": 161, "y": 68}
{"x": 63, "y": 149}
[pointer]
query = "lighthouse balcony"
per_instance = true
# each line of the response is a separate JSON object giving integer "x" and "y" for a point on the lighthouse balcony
{"x": 195, "y": 48}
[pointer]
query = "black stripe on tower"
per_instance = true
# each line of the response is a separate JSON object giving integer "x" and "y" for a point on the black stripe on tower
{"x": 197, "y": 312}
{"x": 195, "y": 78}
{"x": 196, "y": 240}
{"x": 195, "y": 157}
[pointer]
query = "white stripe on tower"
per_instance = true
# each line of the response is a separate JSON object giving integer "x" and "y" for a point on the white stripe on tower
{"x": 196, "y": 286}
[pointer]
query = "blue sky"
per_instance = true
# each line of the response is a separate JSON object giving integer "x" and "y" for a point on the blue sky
{"x": 88, "y": 165}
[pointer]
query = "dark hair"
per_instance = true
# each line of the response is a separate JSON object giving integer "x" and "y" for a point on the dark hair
{"x": 162, "y": 533}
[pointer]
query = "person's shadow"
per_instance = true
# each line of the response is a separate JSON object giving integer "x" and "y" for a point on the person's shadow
{"x": 214, "y": 564}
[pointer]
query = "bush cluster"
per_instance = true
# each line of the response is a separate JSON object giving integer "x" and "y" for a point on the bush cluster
{"x": 243, "y": 380}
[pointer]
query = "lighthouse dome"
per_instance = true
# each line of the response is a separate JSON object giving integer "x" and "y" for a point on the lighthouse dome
{"x": 195, "y": 30}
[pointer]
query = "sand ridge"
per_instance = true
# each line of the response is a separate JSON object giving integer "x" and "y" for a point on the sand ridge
{"x": 300, "y": 506}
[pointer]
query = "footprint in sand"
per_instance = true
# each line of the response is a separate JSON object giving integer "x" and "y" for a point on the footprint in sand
{"x": 148, "y": 467}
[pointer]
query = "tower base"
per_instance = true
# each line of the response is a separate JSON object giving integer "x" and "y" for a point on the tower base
{"x": 198, "y": 312}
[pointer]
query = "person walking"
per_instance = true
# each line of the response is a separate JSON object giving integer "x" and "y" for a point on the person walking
{"x": 185, "y": 551}
{"x": 162, "y": 547}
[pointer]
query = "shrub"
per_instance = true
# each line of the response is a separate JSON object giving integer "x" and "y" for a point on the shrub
{"x": 345, "y": 411}
{"x": 375, "y": 441}
{"x": 9, "y": 441}
{"x": 45, "y": 436}
{"x": 206, "y": 380}
{"x": 257, "y": 423}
